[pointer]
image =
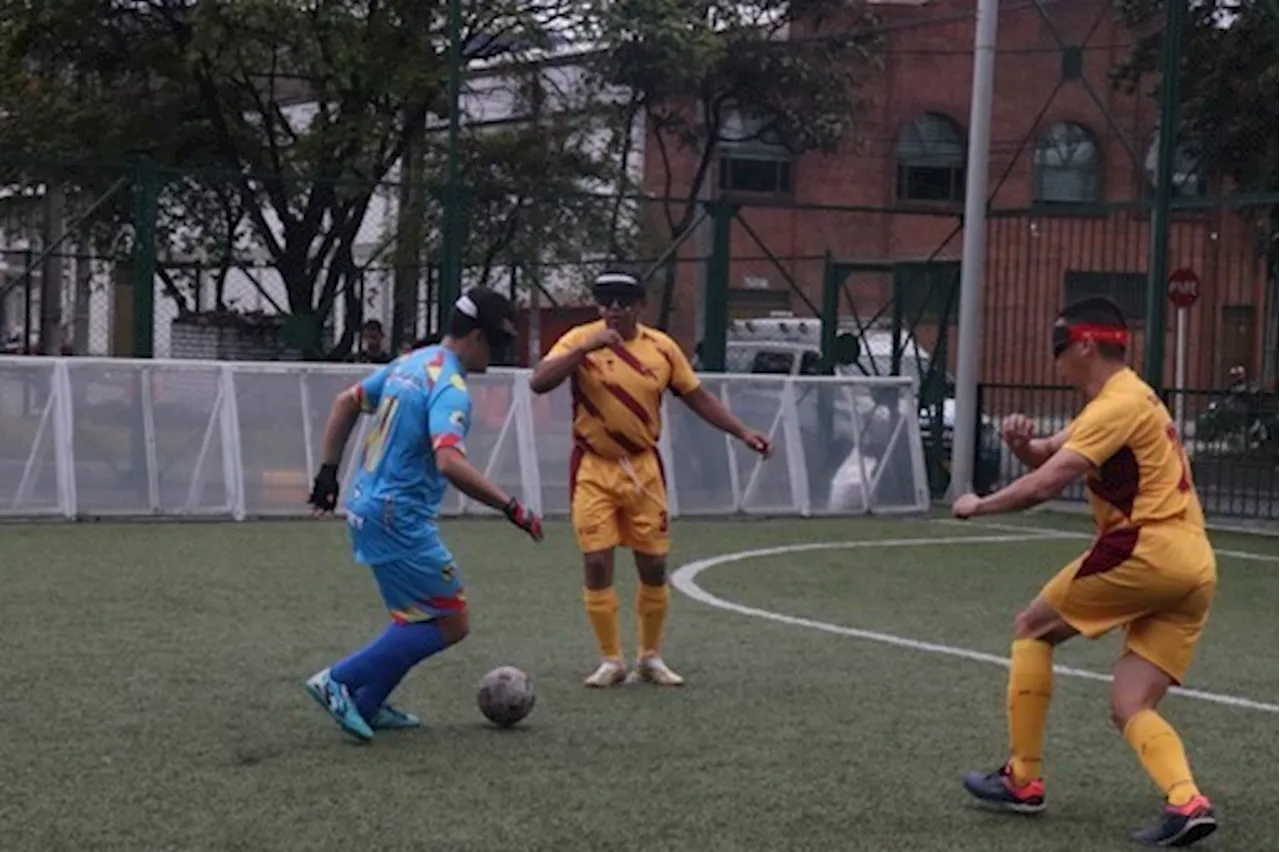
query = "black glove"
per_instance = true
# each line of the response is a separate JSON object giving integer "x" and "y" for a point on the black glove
{"x": 324, "y": 489}
{"x": 519, "y": 514}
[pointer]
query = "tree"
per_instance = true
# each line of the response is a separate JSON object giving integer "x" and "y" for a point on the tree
{"x": 283, "y": 116}
{"x": 1230, "y": 105}
{"x": 707, "y": 72}
{"x": 1228, "y": 85}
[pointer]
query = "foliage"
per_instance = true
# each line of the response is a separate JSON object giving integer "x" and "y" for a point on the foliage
{"x": 690, "y": 63}
{"x": 707, "y": 72}
{"x": 273, "y": 123}
{"x": 1228, "y": 85}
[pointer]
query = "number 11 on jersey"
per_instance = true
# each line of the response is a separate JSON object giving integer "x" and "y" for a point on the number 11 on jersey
{"x": 375, "y": 446}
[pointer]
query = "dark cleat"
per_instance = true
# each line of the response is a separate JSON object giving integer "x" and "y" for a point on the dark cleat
{"x": 997, "y": 790}
{"x": 1180, "y": 826}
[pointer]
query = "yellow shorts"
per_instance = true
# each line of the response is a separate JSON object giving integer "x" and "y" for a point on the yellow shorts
{"x": 619, "y": 502}
{"x": 1158, "y": 582}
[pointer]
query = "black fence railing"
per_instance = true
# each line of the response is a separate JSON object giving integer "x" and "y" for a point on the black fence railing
{"x": 1230, "y": 438}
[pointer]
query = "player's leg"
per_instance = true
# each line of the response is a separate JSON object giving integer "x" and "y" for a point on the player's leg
{"x": 1158, "y": 653}
{"x": 645, "y": 529}
{"x": 429, "y": 614}
{"x": 595, "y": 524}
{"x": 1018, "y": 785}
{"x": 601, "y": 600}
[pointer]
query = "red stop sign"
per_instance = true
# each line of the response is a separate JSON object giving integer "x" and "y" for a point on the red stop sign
{"x": 1184, "y": 287}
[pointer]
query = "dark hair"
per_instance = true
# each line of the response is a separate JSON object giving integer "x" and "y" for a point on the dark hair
{"x": 1098, "y": 310}
{"x": 485, "y": 310}
{"x": 372, "y": 325}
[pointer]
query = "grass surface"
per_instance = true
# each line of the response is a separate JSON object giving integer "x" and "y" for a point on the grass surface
{"x": 154, "y": 701}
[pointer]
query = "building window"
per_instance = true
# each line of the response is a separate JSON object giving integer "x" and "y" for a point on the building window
{"x": 752, "y": 156}
{"x": 1188, "y": 180}
{"x": 931, "y": 160}
{"x": 1067, "y": 166}
{"x": 1127, "y": 289}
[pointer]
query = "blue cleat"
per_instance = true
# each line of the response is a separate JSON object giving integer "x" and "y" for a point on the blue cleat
{"x": 997, "y": 790}
{"x": 1180, "y": 826}
{"x": 388, "y": 718}
{"x": 336, "y": 701}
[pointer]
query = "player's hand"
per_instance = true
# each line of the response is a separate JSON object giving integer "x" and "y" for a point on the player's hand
{"x": 324, "y": 491}
{"x": 966, "y": 506}
{"x": 603, "y": 338}
{"x": 527, "y": 520}
{"x": 1017, "y": 431}
{"x": 758, "y": 443}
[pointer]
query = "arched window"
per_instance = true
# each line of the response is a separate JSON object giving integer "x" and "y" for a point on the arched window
{"x": 752, "y": 157}
{"x": 1188, "y": 179}
{"x": 1068, "y": 169}
{"x": 931, "y": 160}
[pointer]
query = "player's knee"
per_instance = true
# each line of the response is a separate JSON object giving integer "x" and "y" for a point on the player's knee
{"x": 598, "y": 569}
{"x": 1124, "y": 707}
{"x": 455, "y": 627}
{"x": 1025, "y": 625}
{"x": 651, "y": 568}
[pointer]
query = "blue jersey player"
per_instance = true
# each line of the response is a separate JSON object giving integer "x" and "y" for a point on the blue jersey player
{"x": 421, "y": 409}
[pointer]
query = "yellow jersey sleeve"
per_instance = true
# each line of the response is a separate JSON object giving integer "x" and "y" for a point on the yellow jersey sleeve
{"x": 567, "y": 342}
{"x": 683, "y": 379}
{"x": 1104, "y": 426}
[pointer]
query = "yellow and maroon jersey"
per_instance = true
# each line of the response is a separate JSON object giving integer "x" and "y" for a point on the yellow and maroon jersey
{"x": 1141, "y": 473}
{"x": 617, "y": 391}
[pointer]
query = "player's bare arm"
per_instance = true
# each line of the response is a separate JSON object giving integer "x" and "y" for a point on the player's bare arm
{"x": 453, "y": 465}
{"x": 1018, "y": 432}
{"x": 1042, "y": 484}
{"x": 551, "y": 372}
{"x": 343, "y": 415}
{"x": 714, "y": 412}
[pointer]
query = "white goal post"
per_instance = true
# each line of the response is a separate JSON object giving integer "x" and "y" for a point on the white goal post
{"x": 101, "y": 437}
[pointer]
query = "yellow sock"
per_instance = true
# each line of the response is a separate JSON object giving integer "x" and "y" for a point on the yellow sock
{"x": 1030, "y": 690}
{"x": 1160, "y": 749}
{"x": 651, "y": 604}
{"x": 602, "y": 609}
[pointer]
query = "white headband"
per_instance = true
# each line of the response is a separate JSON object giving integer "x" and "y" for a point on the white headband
{"x": 617, "y": 278}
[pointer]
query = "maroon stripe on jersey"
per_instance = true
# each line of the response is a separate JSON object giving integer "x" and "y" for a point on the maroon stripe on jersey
{"x": 580, "y": 400}
{"x": 629, "y": 401}
{"x": 662, "y": 468}
{"x": 632, "y": 361}
{"x": 623, "y": 441}
{"x": 575, "y": 462}
{"x": 1108, "y": 553}
{"x": 1117, "y": 480}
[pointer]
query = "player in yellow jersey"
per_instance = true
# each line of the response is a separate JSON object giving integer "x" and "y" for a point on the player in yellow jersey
{"x": 619, "y": 370}
{"x": 1150, "y": 570}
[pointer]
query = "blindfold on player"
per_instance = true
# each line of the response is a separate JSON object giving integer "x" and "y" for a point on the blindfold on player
{"x": 1064, "y": 335}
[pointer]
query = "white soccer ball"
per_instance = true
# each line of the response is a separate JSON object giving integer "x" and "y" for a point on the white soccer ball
{"x": 506, "y": 696}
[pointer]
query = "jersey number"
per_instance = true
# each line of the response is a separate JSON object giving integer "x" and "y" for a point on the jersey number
{"x": 375, "y": 446}
{"x": 1184, "y": 484}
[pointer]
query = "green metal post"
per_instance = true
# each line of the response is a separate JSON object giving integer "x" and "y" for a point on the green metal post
{"x": 1158, "y": 274}
{"x": 830, "y": 314}
{"x": 716, "y": 315}
{"x": 146, "y": 190}
{"x": 451, "y": 232}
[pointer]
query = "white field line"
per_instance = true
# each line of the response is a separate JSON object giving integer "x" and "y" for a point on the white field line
{"x": 685, "y": 578}
{"x": 990, "y": 525}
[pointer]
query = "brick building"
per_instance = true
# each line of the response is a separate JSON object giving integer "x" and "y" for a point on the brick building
{"x": 1071, "y": 160}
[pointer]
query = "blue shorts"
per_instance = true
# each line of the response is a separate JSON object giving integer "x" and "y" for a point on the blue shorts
{"x": 414, "y": 591}
{"x": 419, "y": 588}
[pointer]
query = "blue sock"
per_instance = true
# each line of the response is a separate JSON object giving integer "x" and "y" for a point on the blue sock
{"x": 373, "y": 673}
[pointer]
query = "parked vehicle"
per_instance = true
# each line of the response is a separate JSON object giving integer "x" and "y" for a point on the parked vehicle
{"x": 783, "y": 344}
